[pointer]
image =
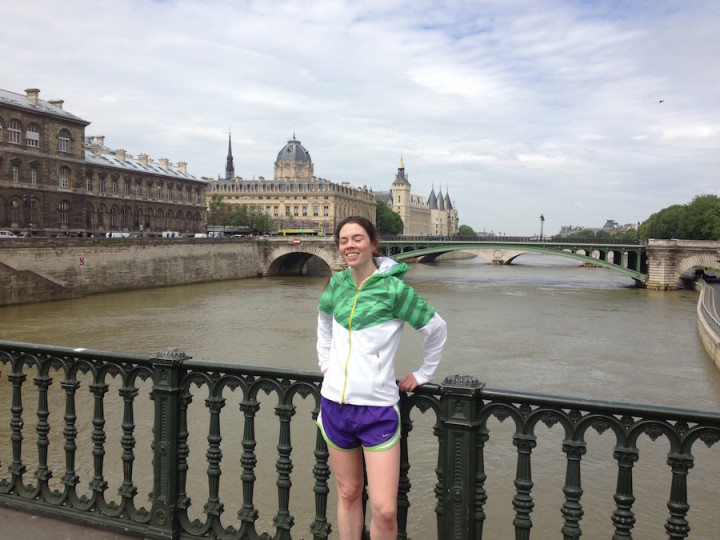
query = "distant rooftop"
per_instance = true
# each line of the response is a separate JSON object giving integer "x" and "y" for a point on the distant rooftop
{"x": 30, "y": 101}
{"x": 96, "y": 153}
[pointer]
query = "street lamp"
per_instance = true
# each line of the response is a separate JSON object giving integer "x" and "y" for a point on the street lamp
{"x": 542, "y": 222}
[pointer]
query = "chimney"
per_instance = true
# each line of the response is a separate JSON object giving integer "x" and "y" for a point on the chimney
{"x": 100, "y": 140}
{"x": 143, "y": 159}
{"x": 182, "y": 167}
{"x": 164, "y": 162}
{"x": 57, "y": 103}
{"x": 32, "y": 95}
{"x": 120, "y": 154}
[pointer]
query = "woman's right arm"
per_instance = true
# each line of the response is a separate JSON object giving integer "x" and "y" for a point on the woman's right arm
{"x": 324, "y": 338}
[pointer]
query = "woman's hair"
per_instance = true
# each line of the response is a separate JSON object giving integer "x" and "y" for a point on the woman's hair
{"x": 364, "y": 222}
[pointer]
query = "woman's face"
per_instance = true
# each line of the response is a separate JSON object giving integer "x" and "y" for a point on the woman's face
{"x": 355, "y": 247}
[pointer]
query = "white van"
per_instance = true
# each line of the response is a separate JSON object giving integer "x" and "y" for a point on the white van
{"x": 117, "y": 235}
{"x": 7, "y": 234}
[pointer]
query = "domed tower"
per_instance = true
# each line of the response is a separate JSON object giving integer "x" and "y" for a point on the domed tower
{"x": 293, "y": 162}
{"x": 401, "y": 197}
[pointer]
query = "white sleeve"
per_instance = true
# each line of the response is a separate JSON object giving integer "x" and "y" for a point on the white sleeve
{"x": 324, "y": 337}
{"x": 435, "y": 332}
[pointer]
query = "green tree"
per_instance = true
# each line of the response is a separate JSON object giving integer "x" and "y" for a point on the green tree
{"x": 218, "y": 211}
{"x": 466, "y": 230}
{"x": 388, "y": 222}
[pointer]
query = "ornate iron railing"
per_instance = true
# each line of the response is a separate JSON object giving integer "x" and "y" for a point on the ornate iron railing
{"x": 461, "y": 406}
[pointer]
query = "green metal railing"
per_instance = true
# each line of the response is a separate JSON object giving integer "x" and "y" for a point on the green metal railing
{"x": 461, "y": 405}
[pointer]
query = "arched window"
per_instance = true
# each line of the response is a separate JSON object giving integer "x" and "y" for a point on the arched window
{"x": 13, "y": 211}
{"x": 125, "y": 217}
{"x": 64, "y": 178}
{"x": 33, "y": 176}
{"x": 101, "y": 217}
{"x": 32, "y": 136}
{"x": 63, "y": 209}
{"x": 15, "y": 174}
{"x": 14, "y": 129}
{"x": 64, "y": 140}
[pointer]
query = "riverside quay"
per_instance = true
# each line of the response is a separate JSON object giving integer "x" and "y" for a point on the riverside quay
{"x": 131, "y": 395}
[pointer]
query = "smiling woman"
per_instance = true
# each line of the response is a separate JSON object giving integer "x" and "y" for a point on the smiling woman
{"x": 359, "y": 415}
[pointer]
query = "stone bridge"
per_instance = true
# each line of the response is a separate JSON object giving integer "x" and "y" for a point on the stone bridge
{"x": 658, "y": 264}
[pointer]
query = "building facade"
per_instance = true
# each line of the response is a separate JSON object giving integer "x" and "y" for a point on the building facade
{"x": 295, "y": 198}
{"x": 55, "y": 180}
{"x": 434, "y": 216}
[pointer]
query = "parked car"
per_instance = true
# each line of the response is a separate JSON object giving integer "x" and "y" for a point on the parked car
{"x": 7, "y": 234}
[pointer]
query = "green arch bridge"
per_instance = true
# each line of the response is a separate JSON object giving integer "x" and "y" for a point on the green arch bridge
{"x": 629, "y": 259}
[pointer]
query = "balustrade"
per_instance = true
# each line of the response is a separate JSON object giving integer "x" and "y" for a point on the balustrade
{"x": 461, "y": 407}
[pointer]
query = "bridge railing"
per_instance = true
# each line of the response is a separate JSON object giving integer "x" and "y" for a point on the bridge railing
{"x": 90, "y": 385}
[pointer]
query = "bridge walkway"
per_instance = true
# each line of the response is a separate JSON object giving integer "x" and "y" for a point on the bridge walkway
{"x": 37, "y": 526}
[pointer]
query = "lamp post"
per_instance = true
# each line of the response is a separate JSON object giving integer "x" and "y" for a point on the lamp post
{"x": 542, "y": 222}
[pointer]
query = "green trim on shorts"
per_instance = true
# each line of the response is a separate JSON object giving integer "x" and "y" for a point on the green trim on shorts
{"x": 392, "y": 441}
{"x": 332, "y": 444}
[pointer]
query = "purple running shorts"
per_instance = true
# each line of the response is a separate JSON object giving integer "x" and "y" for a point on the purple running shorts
{"x": 348, "y": 427}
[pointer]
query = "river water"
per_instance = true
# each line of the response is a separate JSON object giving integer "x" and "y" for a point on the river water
{"x": 542, "y": 324}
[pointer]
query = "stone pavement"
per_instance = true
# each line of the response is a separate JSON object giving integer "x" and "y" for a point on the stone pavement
{"x": 22, "y": 524}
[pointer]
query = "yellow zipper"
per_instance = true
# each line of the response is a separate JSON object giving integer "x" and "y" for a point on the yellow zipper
{"x": 347, "y": 362}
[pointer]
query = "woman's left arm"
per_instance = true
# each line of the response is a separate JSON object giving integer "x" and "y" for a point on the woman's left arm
{"x": 435, "y": 332}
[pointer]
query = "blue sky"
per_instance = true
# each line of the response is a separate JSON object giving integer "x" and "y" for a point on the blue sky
{"x": 580, "y": 111}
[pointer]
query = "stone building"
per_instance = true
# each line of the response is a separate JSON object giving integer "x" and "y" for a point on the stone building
{"x": 295, "y": 197}
{"x": 434, "y": 216}
{"x": 55, "y": 180}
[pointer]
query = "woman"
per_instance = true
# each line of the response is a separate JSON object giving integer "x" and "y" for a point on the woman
{"x": 361, "y": 316}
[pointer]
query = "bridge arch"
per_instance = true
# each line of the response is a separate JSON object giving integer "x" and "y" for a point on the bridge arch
{"x": 308, "y": 257}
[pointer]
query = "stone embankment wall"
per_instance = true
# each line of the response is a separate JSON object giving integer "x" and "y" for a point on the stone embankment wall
{"x": 44, "y": 270}
{"x": 708, "y": 323}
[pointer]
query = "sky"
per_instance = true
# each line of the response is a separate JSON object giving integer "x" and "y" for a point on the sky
{"x": 579, "y": 111}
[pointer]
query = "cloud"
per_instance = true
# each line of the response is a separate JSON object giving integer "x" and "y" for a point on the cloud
{"x": 518, "y": 107}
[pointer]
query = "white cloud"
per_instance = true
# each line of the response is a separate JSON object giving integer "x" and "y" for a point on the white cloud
{"x": 517, "y": 107}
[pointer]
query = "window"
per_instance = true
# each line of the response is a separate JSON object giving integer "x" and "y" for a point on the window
{"x": 148, "y": 191}
{"x": 295, "y": 211}
{"x": 127, "y": 188}
{"x": 32, "y": 136}
{"x": 326, "y": 211}
{"x": 304, "y": 211}
{"x": 15, "y": 174}
{"x": 101, "y": 217}
{"x": 64, "y": 181}
{"x": 113, "y": 218}
{"x": 101, "y": 186}
{"x": 33, "y": 176}
{"x": 315, "y": 211}
{"x": 14, "y": 132}
{"x": 13, "y": 211}
{"x": 88, "y": 184}
{"x": 267, "y": 210}
{"x": 63, "y": 212}
{"x": 138, "y": 191}
{"x": 114, "y": 187}
{"x": 159, "y": 192}
{"x": 275, "y": 211}
{"x": 64, "y": 140}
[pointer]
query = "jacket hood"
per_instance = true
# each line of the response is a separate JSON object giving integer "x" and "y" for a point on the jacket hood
{"x": 387, "y": 266}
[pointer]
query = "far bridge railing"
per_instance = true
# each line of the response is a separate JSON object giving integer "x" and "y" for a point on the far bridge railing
{"x": 79, "y": 421}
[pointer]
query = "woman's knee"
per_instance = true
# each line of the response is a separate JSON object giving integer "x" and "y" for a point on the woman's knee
{"x": 385, "y": 513}
{"x": 350, "y": 491}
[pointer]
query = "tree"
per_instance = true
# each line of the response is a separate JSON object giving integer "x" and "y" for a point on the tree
{"x": 466, "y": 230}
{"x": 388, "y": 222}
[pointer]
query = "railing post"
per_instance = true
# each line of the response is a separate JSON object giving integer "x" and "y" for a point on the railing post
{"x": 461, "y": 458}
{"x": 167, "y": 374}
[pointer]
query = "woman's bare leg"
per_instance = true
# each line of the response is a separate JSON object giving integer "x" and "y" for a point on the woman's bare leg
{"x": 347, "y": 467}
{"x": 383, "y": 475}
